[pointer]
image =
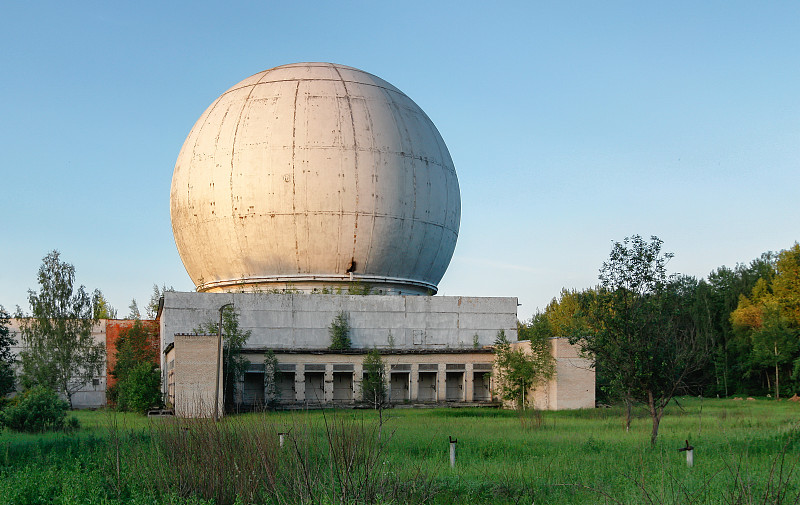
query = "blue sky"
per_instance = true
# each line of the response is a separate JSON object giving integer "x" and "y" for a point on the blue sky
{"x": 571, "y": 124}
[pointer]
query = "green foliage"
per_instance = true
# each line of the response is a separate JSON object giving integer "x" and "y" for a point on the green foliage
{"x": 766, "y": 323}
{"x": 103, "y": 309}
{"x": 374, "y": 390}
{"x": 339, "y": 331}
{"x": 746, "y": 453}
{"x": 60, "y": 352}
{"x": 37, "y": 410}
{"x": 642, "y": 328}
{"x": 518, "y": 371}
{"x": 138, "y": 386}
{"x": 140, "y": 389}
{"x": 359, "y": 288}
{"x": 234, "y": 364}
{"x": 155, "y": 300}
{"x": 272, "y": 377}
{"x": 7, "y": 379}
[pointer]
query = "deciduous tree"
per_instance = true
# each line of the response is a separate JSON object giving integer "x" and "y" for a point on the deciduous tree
{"x": 518, "y": 371}
{"x": 59, "y": 350}
{"x": 643, "y": 330}
{"x": 138, "y": 385}
{"x": 7, "y": 379}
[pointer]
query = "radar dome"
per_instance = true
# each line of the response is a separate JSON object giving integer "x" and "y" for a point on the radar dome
{"x": 313, "y": 176}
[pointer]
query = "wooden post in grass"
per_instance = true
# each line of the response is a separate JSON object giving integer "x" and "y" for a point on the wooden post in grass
{"x": 453, "y": 442}
{"x": 280, "y": 439}
{"x": 689, "y": 454}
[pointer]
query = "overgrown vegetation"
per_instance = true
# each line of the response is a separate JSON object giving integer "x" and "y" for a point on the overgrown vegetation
{"x": 742, "y": 320}
{"x": 234, "y": 364}
{"x": 7, "y": 377}
{"x": 272, "y": 378}
{"x": 374, "y": 388}
{"x": 37, "y": 410}
{"x": 520, "y": 370}
{"x": 60, "y": 352}
{"x": 339, "y": 331}
{"x": 138, "y": 386}
{"x": 745, "y": 452}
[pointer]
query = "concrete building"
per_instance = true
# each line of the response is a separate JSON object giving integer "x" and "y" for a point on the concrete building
{"x": 310, "y": 180}
{"x": 297, "y": 188}
{"x": 91, "y": 393}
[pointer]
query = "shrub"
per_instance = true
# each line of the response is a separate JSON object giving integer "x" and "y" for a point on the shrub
{"x": 339, "y": 331}
{"x": 37, "y": 410}
{"x": 140, "y": 390}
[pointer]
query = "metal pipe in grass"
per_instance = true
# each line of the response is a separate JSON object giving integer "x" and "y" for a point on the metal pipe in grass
{"x": 453, "y": 442}
{"x": 689, "y": 454}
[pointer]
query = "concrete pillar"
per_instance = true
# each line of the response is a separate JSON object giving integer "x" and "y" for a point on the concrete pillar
{"x": 469, "y": 386}
{"x": 327, "y": 386}
{"x": 358, "y": 376}
{"x": 300, "y": 383}
{"x": 441, "y": 383}
{"x": 413, "y": 390}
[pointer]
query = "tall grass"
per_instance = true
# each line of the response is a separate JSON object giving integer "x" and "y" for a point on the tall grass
{"x": 745, "y": 453}
{"x": 335, "y": 458}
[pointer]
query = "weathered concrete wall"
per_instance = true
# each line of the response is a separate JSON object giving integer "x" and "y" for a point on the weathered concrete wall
{"x": 90, "y": 395}
{"x": 572, "y": 387}
{"x": 195, "y": 369}
{"x": 301, "y": 321}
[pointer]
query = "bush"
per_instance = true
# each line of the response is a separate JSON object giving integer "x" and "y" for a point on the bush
{"x": 140, "y": 390}
{"x": 339, "y": 331}
{"x": 37, "y": 410}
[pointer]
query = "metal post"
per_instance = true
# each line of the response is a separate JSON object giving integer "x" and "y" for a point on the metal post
{"x": 689, "y": 454}
{"x": 219, "y": 359}
{"x": 453, "y": 443}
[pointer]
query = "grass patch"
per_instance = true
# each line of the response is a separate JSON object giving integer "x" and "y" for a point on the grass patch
{"x": 745, "y": 452}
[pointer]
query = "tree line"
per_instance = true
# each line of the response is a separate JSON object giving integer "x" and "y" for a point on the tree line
{"x": 744, "y": 322}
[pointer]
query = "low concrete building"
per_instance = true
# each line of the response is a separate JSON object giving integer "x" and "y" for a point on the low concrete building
{"x": 436, "y": 350}
{"x": 572, "y": 386}
{"x": 91, "y": 394}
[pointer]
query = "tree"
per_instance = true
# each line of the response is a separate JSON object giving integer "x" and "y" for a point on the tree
{"x": 518, "y": 371}
{"x": 339, "y": 331}
{"x": 138, "y": 386}
{"x": 234, "y": 365}
{"x": 59, "y": 350}
{"x": 103, "y": 309}
{"x": 140, "y": 389}
{"x": 767, "y": 322}
{"x": 155, "y": 300}
{"x": 133, "y": 310}
{"x": 643, "y": 329}
{"x": 374, "y": 389}
{"x": 7, "y": 380}
{"x": 373, "y": 386}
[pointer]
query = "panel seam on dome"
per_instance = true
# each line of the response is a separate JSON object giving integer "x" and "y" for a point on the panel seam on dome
{"x": 355, "y": 161}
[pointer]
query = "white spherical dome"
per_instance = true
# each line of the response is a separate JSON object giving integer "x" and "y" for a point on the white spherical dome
{"x": 315, "y": 175}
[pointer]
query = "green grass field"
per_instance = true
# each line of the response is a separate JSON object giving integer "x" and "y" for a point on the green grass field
{"x": 745, "y": 452}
